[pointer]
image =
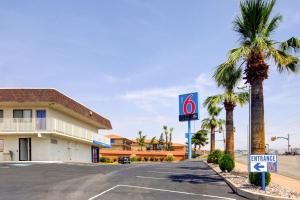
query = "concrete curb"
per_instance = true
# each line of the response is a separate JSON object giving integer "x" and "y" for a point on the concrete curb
{"x": 245, "y": 193}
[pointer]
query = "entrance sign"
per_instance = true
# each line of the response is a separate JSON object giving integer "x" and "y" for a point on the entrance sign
{"x": 263, "y": 164}
{"x": 188, "y": 107}
{"x": 188, "y": 110}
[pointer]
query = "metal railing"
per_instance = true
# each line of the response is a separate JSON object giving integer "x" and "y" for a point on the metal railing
{"x": 40, "y": 125}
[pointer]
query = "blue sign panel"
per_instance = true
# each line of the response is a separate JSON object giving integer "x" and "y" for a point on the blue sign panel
{"x": 188, "y": 107}
{"x": 263, "y": 163}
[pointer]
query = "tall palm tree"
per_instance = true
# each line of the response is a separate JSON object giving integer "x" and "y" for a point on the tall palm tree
{"x": 255, "y": 27}
{"x": 166, "y": 135}
{"x": 200, "y": 138}
{"x": 229, "y": 99}
{"x": 212, "y": 123}
{"x": 141, "y": 140}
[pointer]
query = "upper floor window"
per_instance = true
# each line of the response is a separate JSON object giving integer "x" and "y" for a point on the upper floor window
{"x": 112, "y": 141}
{"x": 25, "y": 114}
{"x": 1, "y": 115}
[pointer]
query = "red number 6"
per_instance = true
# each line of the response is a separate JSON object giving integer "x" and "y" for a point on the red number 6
{"x": 189, "y": 101}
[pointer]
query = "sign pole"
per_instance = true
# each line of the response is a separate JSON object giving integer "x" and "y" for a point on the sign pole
{"x": 189, "y": 140}
{"x": 263, "y": 181}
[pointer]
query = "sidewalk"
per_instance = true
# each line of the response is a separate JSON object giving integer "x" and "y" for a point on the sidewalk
{"x": 276, "y": 178}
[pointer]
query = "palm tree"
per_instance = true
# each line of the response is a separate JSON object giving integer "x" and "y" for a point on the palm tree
{"x": 255, "y": 27}
{"x": 152, "y": 142}
{"x": 200, "y": 138}
{"x": 141, "y": 140}
{"x": 212, "y": 123}
{"x": 161, "y": 140}
{"x": 170, "y": 138}
{"x": 166, "y": 135}
{"x": 229, "y": 99}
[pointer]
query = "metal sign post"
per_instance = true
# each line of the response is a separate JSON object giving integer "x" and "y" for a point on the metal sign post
{"x": 188, "y": 110}
{"x": 263, "y": 164}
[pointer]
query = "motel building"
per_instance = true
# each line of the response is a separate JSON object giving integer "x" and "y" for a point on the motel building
{"x": 46, "y": 125}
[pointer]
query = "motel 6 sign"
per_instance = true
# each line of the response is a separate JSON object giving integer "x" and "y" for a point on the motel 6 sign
{"x": 188, "y": 107}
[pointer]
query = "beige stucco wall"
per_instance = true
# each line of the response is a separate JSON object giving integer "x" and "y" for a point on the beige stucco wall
{"x": 43, "y": 150}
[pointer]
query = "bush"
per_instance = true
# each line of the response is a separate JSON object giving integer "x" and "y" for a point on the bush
{"x": 215, "y": 156}
{"x": 133, "y": 159}
{"x": 114, "y": 160}
{"x": 226, "y": 163}
{"x": 170, "y": 158}
{"x": 151, "y": 159}
{"x": 104, "y": 159}
{"x": 255, "y": 178}
{"x": 146, "y": 159}
{"x": 161, "y": 159}
{"x": 195, "y": 155}
{"x": 139, "y": 159}
{"x": 156, "y": 159}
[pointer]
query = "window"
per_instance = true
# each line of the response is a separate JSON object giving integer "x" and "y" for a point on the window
{"x": 1, "y": 145}
{"x": 112, "y": 141}
{"x": 26, "y": 115}
{"x": 1, "y": 115}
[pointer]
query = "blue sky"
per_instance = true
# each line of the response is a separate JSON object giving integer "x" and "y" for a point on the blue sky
{"x": 130, "y": 59}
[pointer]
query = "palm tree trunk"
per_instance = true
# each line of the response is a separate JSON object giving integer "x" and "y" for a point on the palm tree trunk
{"x": 212, "y": 140}
{"x": 257, "y": 118}
{"x": 229, "y": 107}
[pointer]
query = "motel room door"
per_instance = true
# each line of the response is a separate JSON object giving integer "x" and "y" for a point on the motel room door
{"x": 24, "y": 149}
{"x": 95, "y": 154}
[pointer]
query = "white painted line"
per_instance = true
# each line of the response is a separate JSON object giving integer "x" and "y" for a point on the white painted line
{"x": 178, "y": 192}
{"x": 182, "y": 179}
{"x": 94, "y": 197}
{"x": 4, "y": 167}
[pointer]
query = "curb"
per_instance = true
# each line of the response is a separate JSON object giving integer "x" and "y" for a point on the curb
{"x": 245, "y": 193}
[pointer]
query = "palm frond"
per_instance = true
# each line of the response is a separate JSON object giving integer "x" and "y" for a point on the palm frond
{"x": 213, "y": 100}
{"x": 292, "y": 43}
{"x": 284, "y": 61}
{"x": 242, "y": 98}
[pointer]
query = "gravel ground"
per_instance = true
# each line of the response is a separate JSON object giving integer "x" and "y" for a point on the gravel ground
{"x": 240, "y": 179}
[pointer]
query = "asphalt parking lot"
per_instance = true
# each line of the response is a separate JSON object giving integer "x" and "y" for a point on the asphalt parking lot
{"x": 167, "y": 181}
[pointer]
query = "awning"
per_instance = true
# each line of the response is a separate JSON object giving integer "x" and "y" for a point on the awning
{"x": 102, "y": 144}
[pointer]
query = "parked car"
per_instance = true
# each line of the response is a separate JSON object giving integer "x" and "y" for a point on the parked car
{"x": 124, "y": 160}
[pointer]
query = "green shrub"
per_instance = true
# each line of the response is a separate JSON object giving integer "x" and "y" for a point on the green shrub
{"x": 139, "y": 159}
{"x": 161, "y": 159}
{"x": 226, "y": 163}
{"x": 215, "y": 156}
{"x": 255, "y": 178}
{"x": 170, "y": 158}
{"x": 114, "y": 160}
{"x": 194, "y": 154}
{"x": 156, "y": 159}
{"x": 104, "y": 159}
{"x": 151, "y": 159}
{"x": 146, "y": 159}
{"x": 133, "y": 159}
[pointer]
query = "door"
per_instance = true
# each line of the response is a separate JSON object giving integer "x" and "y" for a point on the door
{"x": 95, "y": 154}
{"x": 24, "y": 149}
{"x": 41, "y": 119}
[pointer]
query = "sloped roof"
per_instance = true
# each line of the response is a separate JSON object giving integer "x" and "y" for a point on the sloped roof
{"x": 52, "y": 96}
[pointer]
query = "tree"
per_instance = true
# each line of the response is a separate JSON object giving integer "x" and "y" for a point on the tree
{"x": 255, "y": 27}
{"x": 229, "y": 100}
{"x": 141, "y": 140}
{"x": 170, "y": 137}
{"x": 212, "y": 123}
{"x": 200, "y": 139}
{"x": 166, "y": 135}
{"x": 152, "y": 142}
{"x": 161, "y": 140}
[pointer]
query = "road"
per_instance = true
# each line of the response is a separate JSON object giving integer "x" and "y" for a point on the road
{"x": 287, "y": 165}
{"x": 164, "y": 181}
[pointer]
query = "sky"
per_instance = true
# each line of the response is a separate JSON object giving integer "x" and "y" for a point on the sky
{"x": 130, "y": 59}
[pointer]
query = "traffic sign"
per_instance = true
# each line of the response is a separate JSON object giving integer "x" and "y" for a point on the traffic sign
{"x": 263, "y": 163}
{"x": 188, "y": 107}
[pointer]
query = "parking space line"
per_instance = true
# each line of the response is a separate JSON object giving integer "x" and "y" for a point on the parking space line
{"x": 94, "y": 197}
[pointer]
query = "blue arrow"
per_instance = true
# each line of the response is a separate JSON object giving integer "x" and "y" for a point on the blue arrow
{"x": 257, "y": 166}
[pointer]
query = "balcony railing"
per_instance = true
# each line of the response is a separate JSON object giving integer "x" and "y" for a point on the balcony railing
{"x": 41, "y": 125}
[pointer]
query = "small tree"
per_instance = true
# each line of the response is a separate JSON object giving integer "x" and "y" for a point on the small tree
{"x": 161, "y": 140}
{"x": 141, "y": 140}
{"x": 200, "y": 139}
{"x": 166, "y": 135}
